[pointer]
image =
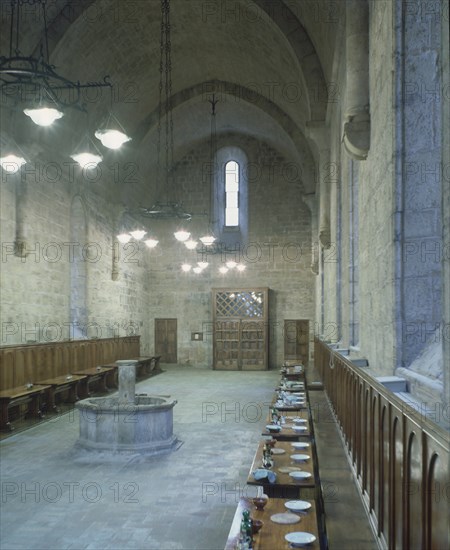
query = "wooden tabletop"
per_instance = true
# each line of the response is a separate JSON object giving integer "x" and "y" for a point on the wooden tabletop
{"x": 93, "y": 371}
{"x": 271, "y": 536}
{"x": 287, "y": 432}
{"x": 64, "y": 379}
{"x": 22, "y": 391}
{"x": 283, "y": 461}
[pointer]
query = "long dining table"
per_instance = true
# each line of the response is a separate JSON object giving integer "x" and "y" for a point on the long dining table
{"x": 272, "y": 534}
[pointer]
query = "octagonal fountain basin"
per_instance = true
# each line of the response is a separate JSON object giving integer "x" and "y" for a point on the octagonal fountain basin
{"x": 145, "y": 426}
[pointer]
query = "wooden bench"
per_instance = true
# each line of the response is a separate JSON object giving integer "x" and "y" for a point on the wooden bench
{"x": 101, "y": 375}
{"x": 29, "y": 394}
{"x": 62, "y": 384}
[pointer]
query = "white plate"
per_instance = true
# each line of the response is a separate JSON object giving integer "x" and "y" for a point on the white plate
{"x": 298, "y": 505}
{"x": 300, "y": 538}
{"x": 273, "y": 427}
{"x": 299, "y": 420}
{"x": 300, "y": 428}
{"x": 300, "y": 475}
{"x": 300, "y": 445}
{"x": 300, "y": 458}
{"x": 276, "y": 451}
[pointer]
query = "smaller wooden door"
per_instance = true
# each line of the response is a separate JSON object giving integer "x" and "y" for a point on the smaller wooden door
{"x": 166, "y": 340}
{"x": 296, "y": 340}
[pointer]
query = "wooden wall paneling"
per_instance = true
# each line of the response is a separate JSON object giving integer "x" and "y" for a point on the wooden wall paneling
{"x": 7, "y": 367}
{"x": 365, "y": 435}
{"x": 414, "y": 490}
{"x": 395, "y": 504}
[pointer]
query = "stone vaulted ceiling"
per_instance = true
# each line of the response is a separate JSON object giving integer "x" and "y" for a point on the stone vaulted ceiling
{"x": 268, "y": 62}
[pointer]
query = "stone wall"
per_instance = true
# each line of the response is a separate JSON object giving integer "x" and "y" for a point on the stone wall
{"x": 277, "y": 253}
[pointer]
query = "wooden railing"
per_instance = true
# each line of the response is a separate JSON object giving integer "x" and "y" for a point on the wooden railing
{"x": 21, "y": 364}
{"x": 400, "y": 457}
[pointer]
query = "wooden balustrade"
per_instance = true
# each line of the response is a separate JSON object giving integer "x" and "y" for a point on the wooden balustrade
{"x": 399, "y": 456}
{"x": 21, "y": 364}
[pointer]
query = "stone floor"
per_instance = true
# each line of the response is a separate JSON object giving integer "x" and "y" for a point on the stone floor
{"x": 53, "y": 498}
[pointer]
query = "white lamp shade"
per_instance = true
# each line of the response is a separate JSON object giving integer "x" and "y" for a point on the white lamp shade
{"x": 202, "y": 265}
{"x": 190, "y": 244}
{"x": 44, "y": 116}
{"x": 87, "y": 160}
{"x": 231, "y": 264}
{"x": 182, "y": 235}
{"x": 186, "y": 267}
{"x": 113, "y": 139}
{"x": 138, "y": 234}
{"x": 124, "y": 238}
{"x": 11, "y": 163}
{"x": 223, "y": 270}
{"x": 197, "y": 269}
{"x": 240, "y": 267}
{"x": 151, "y": 243}
{"x": 208, "y": 240}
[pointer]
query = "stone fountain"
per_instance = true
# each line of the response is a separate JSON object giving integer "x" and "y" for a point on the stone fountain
{"x": 127, "y": 423}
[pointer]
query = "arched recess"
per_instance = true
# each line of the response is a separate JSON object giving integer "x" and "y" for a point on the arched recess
{"x": 78, "y": 271}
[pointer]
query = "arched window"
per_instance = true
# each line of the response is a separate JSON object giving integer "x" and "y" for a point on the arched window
{"x": 231, "y": 197}
{"x": 231, "y": 194}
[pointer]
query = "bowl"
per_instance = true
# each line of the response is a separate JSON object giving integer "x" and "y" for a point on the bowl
{"x": 259, "y": 502}
{"x": 256, "y": 525}
{"x": 273, "y": 428}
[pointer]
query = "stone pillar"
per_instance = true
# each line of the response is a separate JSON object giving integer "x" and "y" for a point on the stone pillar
{"x": 320, "y": 135}
{"x": 311, "y": 201}
{"x": 127, "y": 381}
{"x": 20, "y": 245}
{"x": 357, "y": 115}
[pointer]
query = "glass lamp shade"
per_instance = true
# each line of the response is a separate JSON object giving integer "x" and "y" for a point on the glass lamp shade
{"x": 190, "y": 244}
{"x": 231, "y": 264}
{"x": 223, "y": 270}
{"x": 138, "y": 234}
{"x": 113, "y": 139}
{"x": 202, "y": 265}
{"x": 12, "y": 163}
{"x": 182, "y": 235}
{"x": 197, "y": 270}
{"x": 124, "y": 238}
{"x": 87, "y": 160}
{"x": 208, "y": 240}
{"x": 151, "y": 243}
{"x": 186, "y": 267}
{"x": 240, "y": 267}
{"x": 43, "y": 116}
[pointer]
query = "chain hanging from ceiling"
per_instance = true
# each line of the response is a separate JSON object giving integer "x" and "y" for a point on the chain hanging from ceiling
{"x": 170, "y": 207}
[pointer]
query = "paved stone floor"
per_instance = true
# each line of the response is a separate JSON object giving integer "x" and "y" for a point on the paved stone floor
{"x": 53, "y": 498}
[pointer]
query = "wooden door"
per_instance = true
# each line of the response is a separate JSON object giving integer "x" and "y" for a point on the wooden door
{"x": 296, "y": 340}
{"x": 166, "y": 340}
{"x": 240, "y": 328}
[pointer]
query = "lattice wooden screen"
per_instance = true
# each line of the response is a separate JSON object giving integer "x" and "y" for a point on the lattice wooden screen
{"x": 240, "y": 304}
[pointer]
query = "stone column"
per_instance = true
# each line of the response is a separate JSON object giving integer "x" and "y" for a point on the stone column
{"x": 320, "y": 135}
{"x": 20, "y": 245}
{"x": 127, "y": 380}
{"x": 357, "y": 115}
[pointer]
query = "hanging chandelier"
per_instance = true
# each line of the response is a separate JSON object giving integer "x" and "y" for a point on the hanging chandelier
{"x": 170, "y": 207}
{"x": 33, "y": 80}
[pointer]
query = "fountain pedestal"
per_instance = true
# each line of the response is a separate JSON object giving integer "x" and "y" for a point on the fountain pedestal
{"x": 127, "y": 423}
